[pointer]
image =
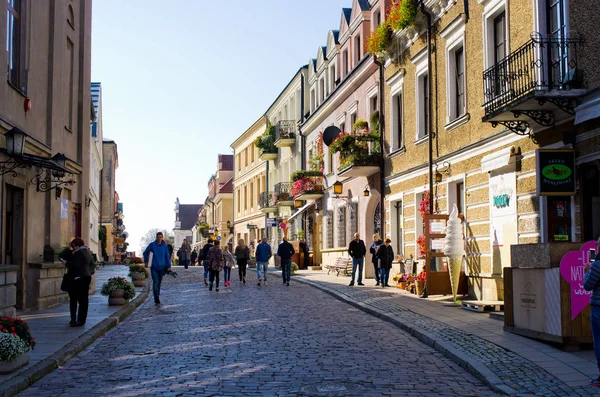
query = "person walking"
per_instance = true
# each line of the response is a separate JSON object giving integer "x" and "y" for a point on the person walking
{"x": 169, "y": 247}
{"x": 285, "y": 252}
{"x": 186, "y": 251}
{"x": 194, "y": 257}
{"x": 216, "y": 263}
{"x": 161, "y": 263}
{"x": 385, "y": 254}
{"x": 203, "y": 256}
{"x": 78, "y": 265}
{"x": 263, "y": 254}
{"x": 304, "y": 249}
{"x": 357, "y": 251}
{"x": 242, "y": 255}
{"x": 229, "y": 263}
{"x": 591, "y": 282}
{"x": 373, "y": 250}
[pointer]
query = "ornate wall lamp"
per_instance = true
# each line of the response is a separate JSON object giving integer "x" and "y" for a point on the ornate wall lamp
{"x": 441, "y": 171}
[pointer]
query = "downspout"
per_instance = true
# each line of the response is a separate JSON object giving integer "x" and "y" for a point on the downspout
{"x": 466, "y": 9}
{"x": 429, "y": 105}
{"x": 381, "y": 143}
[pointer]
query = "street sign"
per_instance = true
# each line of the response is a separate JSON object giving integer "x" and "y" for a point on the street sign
{"x": 251, "y": 226}
{"x": 271, "y": 222}
{"x": 219, "y": 238}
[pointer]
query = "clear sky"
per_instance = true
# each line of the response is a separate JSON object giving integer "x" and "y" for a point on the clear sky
{"x": 180, "y": 84}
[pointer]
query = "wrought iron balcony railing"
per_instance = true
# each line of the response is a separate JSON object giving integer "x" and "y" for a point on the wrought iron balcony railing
{"x": 266, "y": 200}
{"x": 285, "y": 129}
{"x": 283, "y": 191}
{"x": 542, "y": 64}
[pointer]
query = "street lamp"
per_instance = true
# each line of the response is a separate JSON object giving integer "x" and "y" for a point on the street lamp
{"x": 229, "y": 224}
{"x": 298, "y": 203}
{"x": 366, "y": 193}
{"x": 15, "y": 142}
{"x": 338, "y": 187}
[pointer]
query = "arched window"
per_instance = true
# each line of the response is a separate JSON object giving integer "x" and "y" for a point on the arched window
{"x": 71, "y": 16}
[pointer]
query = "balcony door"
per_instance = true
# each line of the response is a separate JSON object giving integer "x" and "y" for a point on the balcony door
{"x": 558, "y": 51}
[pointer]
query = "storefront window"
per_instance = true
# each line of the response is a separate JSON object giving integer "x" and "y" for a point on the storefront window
{"x": 559, "y": 218}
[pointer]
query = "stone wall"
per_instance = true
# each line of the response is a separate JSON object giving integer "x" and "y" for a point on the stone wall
{"x": 8, "y": 290}
{"x": 43, "y": 285}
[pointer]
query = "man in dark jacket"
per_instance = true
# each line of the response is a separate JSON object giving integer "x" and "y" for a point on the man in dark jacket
{"x": 357, "y": 251}
{"x": 203, "y": 256}
{"x": 263, "y": 254}
{"x": 285, "y": 252}
{"x": 591, "y": 282}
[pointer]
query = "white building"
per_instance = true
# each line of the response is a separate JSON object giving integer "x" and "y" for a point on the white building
{"x": 186, "y": 216}
{"x": 92, "y": 199}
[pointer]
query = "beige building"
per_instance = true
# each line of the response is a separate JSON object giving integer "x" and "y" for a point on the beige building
{"x": 45, "y": 116}
{"x": 249, "y": 181}
{"x": 109, "y": 199}
{"x": 218, "y": 208}
{"x": 483, "y": 136}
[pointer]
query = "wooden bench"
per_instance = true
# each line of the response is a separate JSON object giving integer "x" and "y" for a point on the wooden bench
{"x": 340, "y": 265}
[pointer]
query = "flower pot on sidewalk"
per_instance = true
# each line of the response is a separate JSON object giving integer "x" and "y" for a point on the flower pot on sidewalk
{"x": 117, "y": 298}
{"x": 7, "y": 367}
{"x": 401, "y": 285}
{"x": 419, "y": 286}
{"x": 138, "y": 279}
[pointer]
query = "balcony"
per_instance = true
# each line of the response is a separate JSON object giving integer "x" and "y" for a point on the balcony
{"x": 307, "y": 185}
{"x": 285, "y": 133}
{"x": 283, "y": 193}
{"x": 534, "y": 87}
{"x": 266, "y": 155}
{"x": 267, "y": 203}
{"x": 359, "y": 154}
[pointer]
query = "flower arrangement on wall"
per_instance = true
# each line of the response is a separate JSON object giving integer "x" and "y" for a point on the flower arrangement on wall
{"x": 266, "y": 142}
{"x": 400, "y": 15}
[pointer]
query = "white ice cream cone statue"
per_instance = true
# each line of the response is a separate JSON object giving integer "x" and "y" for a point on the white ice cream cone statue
{"x": 454, "y": 249}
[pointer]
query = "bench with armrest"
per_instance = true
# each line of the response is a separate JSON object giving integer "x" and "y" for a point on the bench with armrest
{"x": 341, "y": 264}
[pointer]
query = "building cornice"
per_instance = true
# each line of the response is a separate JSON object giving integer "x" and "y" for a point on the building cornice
{"x": 249, "y": 132}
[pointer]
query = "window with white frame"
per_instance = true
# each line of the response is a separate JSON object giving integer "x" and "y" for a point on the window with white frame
{"x": 455, "y": 71}
{"x": 396, "y": 83}
{"x": 422, "y": 95}
{"x": 332, "y": 78}
{"x": 341, "y": 224}
{"x": 321, "y": 90}
{"x": 353, "y": 120}
{"x": 495, "y": 29}
{"x": 313, "y": 104}
{"x": 346, "y": 64}
{"x": 357, "y": 50}
{"x": 376, "y": 19}
{"x": 330, "y": 160}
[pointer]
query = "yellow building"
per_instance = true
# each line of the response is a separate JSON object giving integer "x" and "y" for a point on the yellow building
{"x": 218, "y": 205}
{"x": 249, "y": 180}
{"x": 483, "y": 134}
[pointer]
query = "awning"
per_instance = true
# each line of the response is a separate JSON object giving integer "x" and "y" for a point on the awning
{"x": 499, "y": 159}
{"x": 301, "y": 210}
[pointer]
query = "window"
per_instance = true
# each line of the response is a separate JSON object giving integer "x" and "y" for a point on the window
{"x": 345, "y": 63}
{"x": 357, "y": 50}
{"x": 456, "y": 107}
{"x": 499, "y": 37}
{"x": 329, "y": 228}
{"x": 423, "y": 106}
{"x": 376, "y": 19}
{"x": 341, "y": 226}
{"x": 332, "y": 78}
{"x": 251, "y": 194}
{"x": 373, "y": 104}
{"x": 239, "y": 205}
{"x": 559, "y": 218}
{"x": 246, "y": 157}
{"x": 321, "y": 91}
{"x": 352, "y": 120}
{"x": 245, "y": 198}
{"x": 343, "y": 127}
{"x": 397, "y": 138}
{"x": 313, "y": 100}
{"x": 460, "y": 200}
{"x": 557, "y": 29}
{"x": 71, "y": 60}
{"x": 14, "y": 43}
{"x": 459, "y": 61}
{"x": 252, "y": 149}
{"x": 330, "y": 159}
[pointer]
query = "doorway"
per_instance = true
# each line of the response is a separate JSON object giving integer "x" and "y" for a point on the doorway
{"x": 13, "y": 237}
{"x": 590, "y": 201}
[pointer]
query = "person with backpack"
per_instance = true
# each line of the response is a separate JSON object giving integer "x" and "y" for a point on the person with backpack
{"x": 242, "y": 255}
{"x": 203, "y": 256}
{"x": 263, "y": 254}
{"x": 229, "y": 263}
{"x": 194, "y": 257}
{"x": 216, "y": 262}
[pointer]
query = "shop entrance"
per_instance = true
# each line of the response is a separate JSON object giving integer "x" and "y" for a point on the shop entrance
{"x": 13, "y": 237}
{"x": 590, "y": 201}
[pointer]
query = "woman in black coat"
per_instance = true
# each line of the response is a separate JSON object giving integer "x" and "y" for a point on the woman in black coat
{"x": 373, "y": 250}
{"x": 79, "y": 267}
{"x": 385, "y": 254}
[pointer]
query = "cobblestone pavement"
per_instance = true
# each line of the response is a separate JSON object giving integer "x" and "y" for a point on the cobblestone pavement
{"x": 520, "y": 374}
{"x": 247, "y": 340}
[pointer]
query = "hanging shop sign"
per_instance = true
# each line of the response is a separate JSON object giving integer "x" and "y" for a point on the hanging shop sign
{"x": 555, "y": 172}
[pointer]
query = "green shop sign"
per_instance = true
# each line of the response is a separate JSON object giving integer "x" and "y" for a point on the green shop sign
{"x": 555, "y": 172}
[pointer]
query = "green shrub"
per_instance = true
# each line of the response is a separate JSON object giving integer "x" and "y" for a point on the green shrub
{"x": 118, "y": 283}
{"x": 137, "y": 268}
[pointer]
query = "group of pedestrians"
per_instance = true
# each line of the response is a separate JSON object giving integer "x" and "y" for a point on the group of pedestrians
{"x": 382, "y": 256}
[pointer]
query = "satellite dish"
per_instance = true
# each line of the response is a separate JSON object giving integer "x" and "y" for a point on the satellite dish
{"x": 330, "y": 134}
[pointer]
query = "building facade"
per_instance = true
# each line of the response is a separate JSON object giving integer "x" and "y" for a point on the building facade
{"x": 109, "y": 199}
{"x": 218, "y": 205}
{"x": 45, "y": 118}
{"x": 186, "y": 216}
{"x": 92, "y": 199}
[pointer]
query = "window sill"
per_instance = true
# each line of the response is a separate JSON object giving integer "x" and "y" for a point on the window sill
{"x": 421, "y": 141}
{"x": 23, "y": 94}
{"x": 457, "y": 122}
{"x": 397, "y": 152}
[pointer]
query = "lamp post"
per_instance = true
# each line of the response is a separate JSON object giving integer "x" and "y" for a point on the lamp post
{"x": 15, "y": 142}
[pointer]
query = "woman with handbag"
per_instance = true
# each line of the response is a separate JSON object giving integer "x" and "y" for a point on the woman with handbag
{"x": 79, "y": 267}
{"x": 216, "y": 262}
{"x": 242, "y": 256}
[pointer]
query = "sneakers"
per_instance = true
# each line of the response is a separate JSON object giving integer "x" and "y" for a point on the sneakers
{"x": 377, "y": 285}
{"x": 351, "y": 284}
{"x": 227, "y": 283}
{"x": 360, "y": 284}
{"x": 595, "y": 382}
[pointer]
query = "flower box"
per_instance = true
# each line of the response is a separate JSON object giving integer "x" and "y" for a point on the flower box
{"x": 7, "y": 367}
{"x": 401, "y": 285}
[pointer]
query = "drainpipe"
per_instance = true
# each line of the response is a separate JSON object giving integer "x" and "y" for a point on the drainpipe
{"x": 429, "y": 105}
{"x": 466, "y": 9}
{"x": 381, "y": 143}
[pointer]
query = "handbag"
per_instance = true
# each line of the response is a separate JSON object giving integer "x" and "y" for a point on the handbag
{"x": 67, "y": 282}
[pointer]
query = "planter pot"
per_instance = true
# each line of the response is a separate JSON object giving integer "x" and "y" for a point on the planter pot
{"x": 116, "y": 298}
{"x": 419, "y": 285}
{"x": 6, "y": 367}
{"x": 401, "y": 285}
{"x": 138, "y": 279}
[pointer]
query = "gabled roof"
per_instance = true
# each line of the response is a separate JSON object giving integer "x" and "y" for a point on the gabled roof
{"x": 347, "y": 12}
{"x": 336, "y": 36}
{"x": 364, "y": 5}
{"x": 188, "y": 215}
{"x": 227, "y": 186}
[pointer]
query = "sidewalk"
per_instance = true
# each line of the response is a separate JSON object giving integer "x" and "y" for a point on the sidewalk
{"x": 57, "y": 342}
{"x": 509, "y": 363}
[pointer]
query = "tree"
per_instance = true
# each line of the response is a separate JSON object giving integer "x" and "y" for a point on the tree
{"x": 149, "y": 237}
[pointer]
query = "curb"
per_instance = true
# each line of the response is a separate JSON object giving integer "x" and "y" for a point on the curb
{"x": 477, "y": 369}
{"x": 28, "y": 377}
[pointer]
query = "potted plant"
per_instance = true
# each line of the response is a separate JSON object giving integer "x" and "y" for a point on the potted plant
{"x": 118, "y": 290}
{"x": 138, "y": 274}
{"x": 401, "y": 280}
{"x": 16, "y": 344}
{"x": 294, "y": 267}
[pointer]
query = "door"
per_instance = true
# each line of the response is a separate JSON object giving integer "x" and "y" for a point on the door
{"x": 438, "y": 278}
{"x": 13, "y": 237}
{"x": 590, "y": 201}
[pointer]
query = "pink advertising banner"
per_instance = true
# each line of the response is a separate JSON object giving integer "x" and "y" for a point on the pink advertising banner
{"x": 572, "y": 267}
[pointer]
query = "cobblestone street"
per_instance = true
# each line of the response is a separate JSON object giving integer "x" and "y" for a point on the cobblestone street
{"x": 256, "y": 341}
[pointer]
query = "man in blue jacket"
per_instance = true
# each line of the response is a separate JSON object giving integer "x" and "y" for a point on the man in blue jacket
{"x": 263, "y": 254}
{"x": 285, "y": 252}
{"x": 161, "y": 263}
{"x": 591, "y": 282}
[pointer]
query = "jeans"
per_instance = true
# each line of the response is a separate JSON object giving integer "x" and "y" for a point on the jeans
{"x": 260, "y": 267}
{"x": 286, "y": 270}
{"x": 242, "y": 268}
{"x": 384, "y": 276}
{"x": 226, "y": 274}
{"x": 157, "y": 276}
{"x": 595, "y": 319}
{"x": 376, "y": 271}
{"x": 185, "y": 263}
{"x": 205, "y": 264}
{"x": 357, "y": 262}
{"x": 78, "y": 295}
{"x": 213, "y": 274}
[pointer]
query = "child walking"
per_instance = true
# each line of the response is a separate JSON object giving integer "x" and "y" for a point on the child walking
{"x": 215, "y": 264}
{"x": 229, "y": 263}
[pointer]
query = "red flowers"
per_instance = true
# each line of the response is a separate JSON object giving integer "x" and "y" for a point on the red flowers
{"x": 17, "y": 327}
